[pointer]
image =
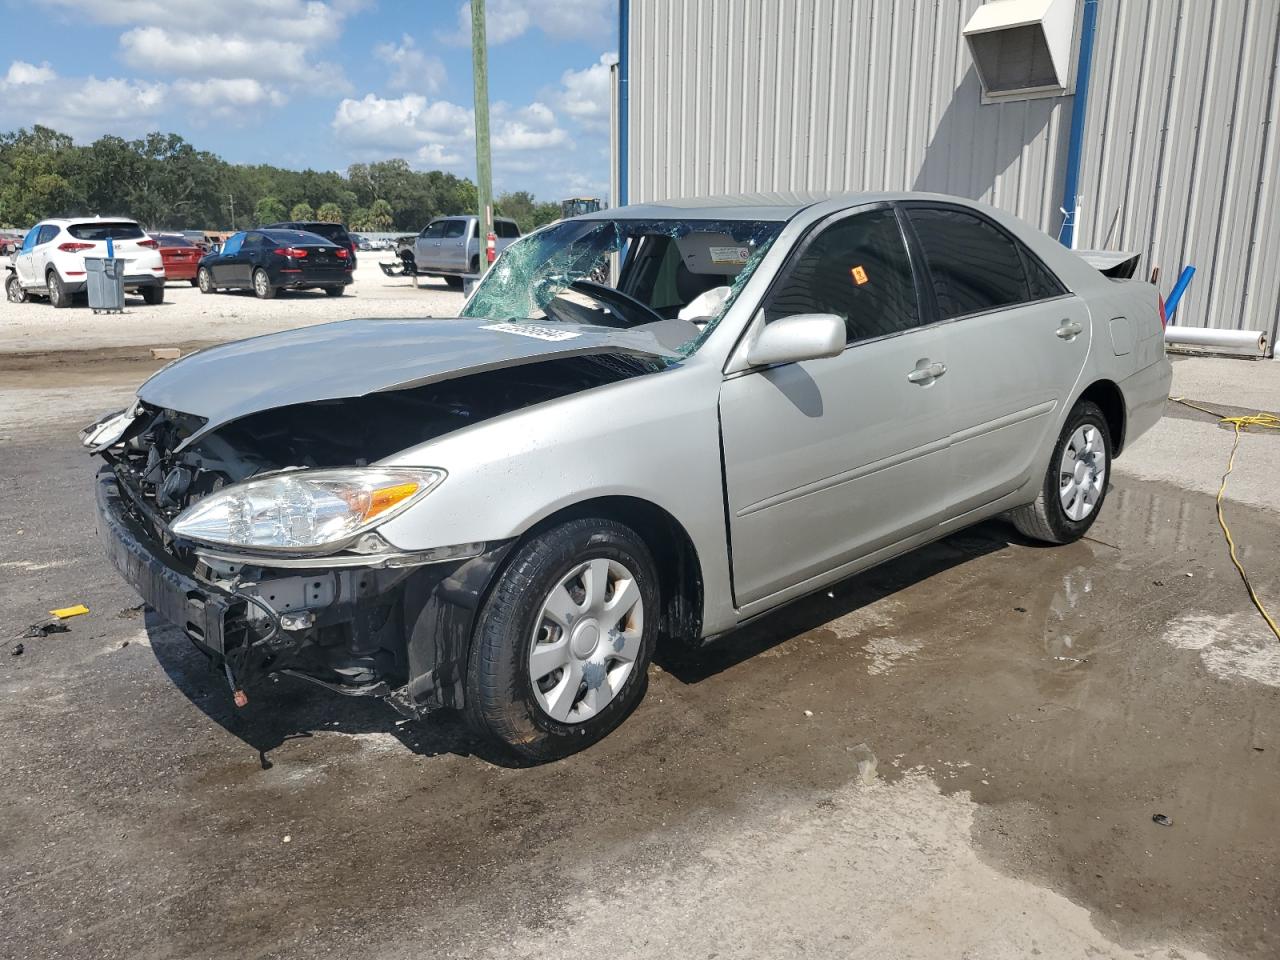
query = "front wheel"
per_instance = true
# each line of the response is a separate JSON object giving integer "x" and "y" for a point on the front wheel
{"x": 204, "y": 280}
{"x": 262, "y": 288}
{"x": 1075, "y": 485}
{"x": 453, "y": 283}
{"x": 13, "y": 289}
{"x": 562, "y": 645}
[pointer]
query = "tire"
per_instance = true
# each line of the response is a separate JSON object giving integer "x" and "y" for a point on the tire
{"x": 453, "y": 283}
{"x": 194, "y": 282}
{"x": 561, "y": 712}
{"x": 335, "y": 291}
{"x": 475, "y": 265}
{"x": 58, "y": 296}
{"x": 13, "y": 290}
{"x": 153, "y": 295}
{"x": 204, "y": 280}
{"x": 1049, "y": 518}
{"x": 262, "y": 288}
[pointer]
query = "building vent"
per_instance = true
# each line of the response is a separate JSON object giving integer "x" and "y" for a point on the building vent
{"x": 1022, "y": 48}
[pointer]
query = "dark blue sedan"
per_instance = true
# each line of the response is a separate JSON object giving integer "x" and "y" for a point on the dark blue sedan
{"x": 265, "y": 261}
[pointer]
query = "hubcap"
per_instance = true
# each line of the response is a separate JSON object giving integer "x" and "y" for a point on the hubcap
{"x": 586, "y": 640}
{"x": 260, "y": 281}
{"x": 1082, "y": 474}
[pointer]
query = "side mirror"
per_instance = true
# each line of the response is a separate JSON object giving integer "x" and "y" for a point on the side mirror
{"x": 803, "y": 336}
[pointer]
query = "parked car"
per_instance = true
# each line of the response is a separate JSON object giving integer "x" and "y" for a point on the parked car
{"x": 330, "y": 231}
{"x": 361, "y": 242}
{"x": 266, "y": 261}
{"x": 181, "y": 257}
{"x": 451, "y": 247}
{"x": 506, "y": 512}
{"x": 50, "y": 262}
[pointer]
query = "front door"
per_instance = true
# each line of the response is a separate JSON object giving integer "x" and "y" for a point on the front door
{"x": 226, "y": 268}
{"x": 828, "y": 461}
{"x": 1017, "y": 345}
{"x": 426, "y": 249}
{"x": 24, "y": 262}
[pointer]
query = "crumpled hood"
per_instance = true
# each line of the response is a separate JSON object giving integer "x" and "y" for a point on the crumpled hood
{"x": 352, "y": 358}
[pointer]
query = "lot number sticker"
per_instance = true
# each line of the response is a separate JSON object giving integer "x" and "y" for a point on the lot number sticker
{"x": 534, "y": 331}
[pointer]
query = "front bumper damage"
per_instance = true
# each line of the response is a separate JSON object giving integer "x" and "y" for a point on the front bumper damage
{"x": 398, "y": 632}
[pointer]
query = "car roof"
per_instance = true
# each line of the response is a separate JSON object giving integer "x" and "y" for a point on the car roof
{"x": 67, "y": 221}
{"x": 274, "y": 231}
{"x": 779, "y": 206}
{"x": 468, "y": 216}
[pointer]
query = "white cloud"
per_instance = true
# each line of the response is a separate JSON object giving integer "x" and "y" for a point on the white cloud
{"x": 505, "y": 20}
{"x": 585, "y": 94}
{"x": 21, "y": 72}
{"x": 405, "y": 123}
{"x": 226, "y": 95}
{"x": 219, "y": 55}
{"x": 306, "y": 21}
{"x": 80, "y": 106}
{"x": 528, "y": 128}
{"x": 411, "y": 69}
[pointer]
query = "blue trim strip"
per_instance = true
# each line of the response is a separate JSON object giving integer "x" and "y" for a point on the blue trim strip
{"x": 1075, "y": 145}
{"x": 624, "y": 97}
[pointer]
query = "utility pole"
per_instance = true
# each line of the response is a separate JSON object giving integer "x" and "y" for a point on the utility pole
{"x": 231, "y": 199}
{"x": 484, "y": 175}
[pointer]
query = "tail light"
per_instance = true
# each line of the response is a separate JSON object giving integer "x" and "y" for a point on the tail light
{"x": 296, "y": 253}
{"x": 149, "y": 244}
{"x": 74, "y": 247}
{"x": 1164, "y": 318}
{"x": 343, "y": 253}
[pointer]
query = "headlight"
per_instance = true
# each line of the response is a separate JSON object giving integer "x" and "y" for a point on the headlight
{"x": 304, "y": 509}
{"x": 108, "y": 430}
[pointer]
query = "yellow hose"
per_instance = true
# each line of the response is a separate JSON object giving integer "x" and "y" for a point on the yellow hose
{"x": 1264, "y": 421}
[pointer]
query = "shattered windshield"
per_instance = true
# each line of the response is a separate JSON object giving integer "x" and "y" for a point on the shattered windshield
{"x": 664, "y": 270}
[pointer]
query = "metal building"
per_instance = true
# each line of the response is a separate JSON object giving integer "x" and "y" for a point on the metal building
{"x": 1175, "y": 153}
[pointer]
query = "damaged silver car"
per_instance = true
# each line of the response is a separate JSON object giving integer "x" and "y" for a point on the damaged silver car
{"x": 507, "y": 511}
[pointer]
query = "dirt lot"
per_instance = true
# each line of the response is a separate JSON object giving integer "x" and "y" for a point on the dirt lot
{"x": 1029, "y": 710}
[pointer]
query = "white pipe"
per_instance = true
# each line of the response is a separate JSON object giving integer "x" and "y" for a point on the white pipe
{"x": 1252, "y": 343}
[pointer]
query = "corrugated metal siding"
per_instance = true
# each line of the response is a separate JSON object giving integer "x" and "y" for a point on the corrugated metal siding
{"x": 1180, "y": 158}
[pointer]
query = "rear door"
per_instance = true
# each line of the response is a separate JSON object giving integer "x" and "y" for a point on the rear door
{"x": 828, "y": 461}
{"x": 453, "y": 245}
{"x": 1017, "y": 342}
{"x": 426, "y": 249}
{"x": 507, "y": 233}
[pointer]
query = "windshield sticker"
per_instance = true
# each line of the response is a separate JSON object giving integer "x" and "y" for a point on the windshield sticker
{"x": 730, "y": 254}
{"x": 533, "y": 330}
{"x": 859, "y": 275}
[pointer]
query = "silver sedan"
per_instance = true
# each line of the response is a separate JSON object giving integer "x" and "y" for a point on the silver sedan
{"x": 649, "y": 425}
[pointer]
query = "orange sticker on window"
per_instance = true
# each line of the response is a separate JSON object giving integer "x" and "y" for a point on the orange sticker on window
{"x": 859, "y": 275}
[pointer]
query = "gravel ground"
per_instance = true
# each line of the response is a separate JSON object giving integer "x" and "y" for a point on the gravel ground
{"x": 188, "y": 315}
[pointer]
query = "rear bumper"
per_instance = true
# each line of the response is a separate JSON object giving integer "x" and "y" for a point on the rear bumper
{"x": 1145, "y": 393}
{"x": 311, "y": 278}
{"x": 181, "y": 271}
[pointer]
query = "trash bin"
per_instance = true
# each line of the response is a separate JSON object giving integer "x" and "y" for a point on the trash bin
{"x": 106, "y": 284}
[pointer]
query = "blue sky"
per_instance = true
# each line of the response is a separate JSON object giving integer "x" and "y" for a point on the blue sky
{"x": 324, "y": 83}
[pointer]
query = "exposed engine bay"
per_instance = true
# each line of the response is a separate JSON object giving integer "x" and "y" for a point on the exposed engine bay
{"x": 349, "y": 621}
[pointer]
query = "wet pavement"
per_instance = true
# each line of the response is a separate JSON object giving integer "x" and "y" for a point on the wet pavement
{"x": 1030, "y": 709}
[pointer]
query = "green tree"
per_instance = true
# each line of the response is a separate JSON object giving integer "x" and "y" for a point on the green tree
{"x": 302, "y": 211}
{"x": 329, "y": 212}
{"x": 380, "y": 217}
{"x": 359, "y": 219}
{"x": 268, "y": 210}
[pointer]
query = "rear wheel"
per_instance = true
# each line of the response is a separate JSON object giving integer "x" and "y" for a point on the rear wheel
{"x": 1075, "y": 485}
{"x": 58, "y": 295}
{"x": 562, "y": 645}
{"x": 453, "y": 283}
{"x": 204, "y": 280}
{"x": 195, "y": 282}
{"x": 262, "y": 288}
{"x": 335, "y": 291}
{"x": 475, "y": 265}
{"x": 154, "y": 294}
{"x": 13, "y": 289}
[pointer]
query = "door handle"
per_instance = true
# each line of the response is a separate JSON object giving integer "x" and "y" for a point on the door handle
{"x": 927, "y": 371}
{"x": 1069, "y": 330}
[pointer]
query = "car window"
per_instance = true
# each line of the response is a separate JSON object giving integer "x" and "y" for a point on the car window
{"x": 232, "y": 245}
{"x": 30, "y": 240}
{"x": 974, "y": 265}
{"x": 856, "y": 268}
{"x": 101, "y": 231}
{"x": 454, "y": 229}
{"x": 435, "y": 230}
{"x": 47, "y": 233}
{"x": 173, "y": 240}
{"x": 506, "y": 230}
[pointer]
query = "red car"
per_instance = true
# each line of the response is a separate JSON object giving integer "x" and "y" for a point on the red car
{"x": 181, "y": 257}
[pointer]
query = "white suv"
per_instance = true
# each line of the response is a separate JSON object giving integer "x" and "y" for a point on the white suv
{"x": 50, "y": 261}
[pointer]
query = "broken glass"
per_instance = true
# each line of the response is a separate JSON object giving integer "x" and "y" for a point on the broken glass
{"x": 690, "y": 269}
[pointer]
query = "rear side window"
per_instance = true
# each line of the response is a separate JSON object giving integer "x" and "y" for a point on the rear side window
{"x": 506, "y": 230}
{"x": 434, "y": 231}
{"x": 454, "y": 229}
{"x": 857, "y": 268}
{"x": 101, "y": 231}
{"x": 974, "y": 265}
